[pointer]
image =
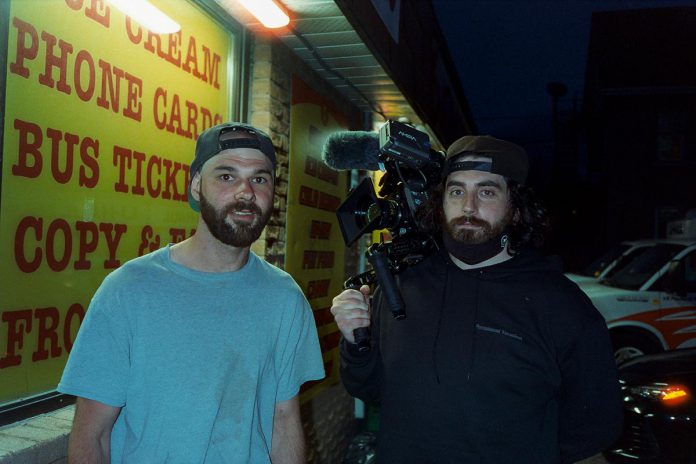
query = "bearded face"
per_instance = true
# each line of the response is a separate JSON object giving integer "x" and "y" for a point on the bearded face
{"x": 238, "y": 224}
{"x": 471, "y": 230}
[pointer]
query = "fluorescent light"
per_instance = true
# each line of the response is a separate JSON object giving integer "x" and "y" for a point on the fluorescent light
{"x": 267, "y": 12}
{"x": 148, "y": 15}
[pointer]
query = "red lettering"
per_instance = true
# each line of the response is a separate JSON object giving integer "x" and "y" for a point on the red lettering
{"x": 173, "y": 52}
{"x": 54, "y": 262}
{"x": 89, "y": 151}
{"x": 325, "y": 260}
{"x": 153, "y": 44}
{"x": 28, "y": 149}
{"x": 206, "y": 119}
{"x": 88, "y": 239}
{"x": 177, "y": 235}
{"x": 24, "y": 225}
{"x": 15, "y": 335}
{"x": 25, "y": 50}
{"x": 114, "y": 89}
{"x": 134, "y": 92}
{"x": 170, "y": 180}
{"x": 318, "y": 288}
{"x": 112, "y": 234}
{"x": 154, "y": 161}
{"x": 313, "y": 259}
{"x": 138, "y": 188}
{"x": 322, "y": 316}
{"x": 211, "y": 67}
{"x": 192, "y": 119}
{"x": 327, "y": 174}
{"x": 149, "y": 241}
{"x": 134, "y": 36}
{"x": 191, "y": 59}
{"x": 309, "y": 259}
{"x": 30, "y": 161}
{"x": 174, "y": 124}
{"x": 173, "y": 171}
{"x": 97, "y": 10}
{"x": 58, "y": 244}
{"x": 160, "y": 94}
{"x": 122, "y": 160}
{"x": 308, "y": 196}
{"x": 74, "y": 4}
{"x": 85, "y": 94}
{"x": 47, "y": 332}
{"x": 48, "y": 322}
{"x": 60, "y": 62}
{"x": 320, "y": 230}
{"x": 328, "y": 202}
{"x": 62, "y": 177}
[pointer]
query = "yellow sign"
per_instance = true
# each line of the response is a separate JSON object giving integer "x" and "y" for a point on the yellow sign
{"x": 315, "y": 251}
{"x": 101, "y": 118}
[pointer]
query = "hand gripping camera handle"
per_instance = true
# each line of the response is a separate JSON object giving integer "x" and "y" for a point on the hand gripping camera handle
{"x": 361, "y": 334}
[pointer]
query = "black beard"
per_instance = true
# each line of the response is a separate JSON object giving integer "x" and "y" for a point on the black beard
{"x": 486, "y": 232}
{"x": 229, "y": 232}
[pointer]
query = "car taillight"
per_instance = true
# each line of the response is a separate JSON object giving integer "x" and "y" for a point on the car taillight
{"x": 665, "y": 393}
{"x": 674, "y": 393}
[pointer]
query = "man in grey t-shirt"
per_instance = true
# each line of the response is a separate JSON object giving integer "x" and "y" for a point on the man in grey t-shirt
{"x": 196, "y": 352}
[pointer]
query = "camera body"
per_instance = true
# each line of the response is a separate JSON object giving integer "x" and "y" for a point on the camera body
{"x": 411, "y": 170}
{"x": 405, "y": 144}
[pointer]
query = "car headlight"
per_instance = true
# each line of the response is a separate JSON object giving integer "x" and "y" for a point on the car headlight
{"x": 663, "y": 392}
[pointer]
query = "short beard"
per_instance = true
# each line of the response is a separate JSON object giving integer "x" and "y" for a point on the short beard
{"x": 486, "y": 232}
{"x": 227, "y": 230}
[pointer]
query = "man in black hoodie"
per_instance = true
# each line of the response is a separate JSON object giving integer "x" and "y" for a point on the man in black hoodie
{"x": 500, "y": 359}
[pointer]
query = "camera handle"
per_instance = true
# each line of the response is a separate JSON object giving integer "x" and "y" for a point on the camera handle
{"x": 361, "y": 334}
{"x": 377, "y": 255}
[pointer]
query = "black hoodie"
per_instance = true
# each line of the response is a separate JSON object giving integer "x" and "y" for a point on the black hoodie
{"x": 508, "y": 363}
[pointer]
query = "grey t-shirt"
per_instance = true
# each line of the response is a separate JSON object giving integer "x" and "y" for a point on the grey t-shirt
{"x": 197, "y": 361}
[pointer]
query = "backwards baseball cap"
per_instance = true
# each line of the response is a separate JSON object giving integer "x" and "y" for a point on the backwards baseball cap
{"x": 217, "y": 138}
{"x": 507, "y": 159}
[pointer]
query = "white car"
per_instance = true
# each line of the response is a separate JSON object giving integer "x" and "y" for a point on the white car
{"x": 650, "y": 304}
{"x": 610, "y": 262}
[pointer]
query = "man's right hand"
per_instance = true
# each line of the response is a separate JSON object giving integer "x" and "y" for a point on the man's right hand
{"x": 351, "y": 310}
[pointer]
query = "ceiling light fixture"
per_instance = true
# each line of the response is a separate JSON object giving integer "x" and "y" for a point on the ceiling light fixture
{"x": 147, "y": 15}
{"x": 267, "y": 12}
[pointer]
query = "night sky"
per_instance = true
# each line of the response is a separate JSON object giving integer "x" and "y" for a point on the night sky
{"x": 507, "y": 51}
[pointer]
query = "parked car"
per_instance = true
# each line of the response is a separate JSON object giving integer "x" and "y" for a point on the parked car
{"x": 611, "y": 261}
{"x": 660, "y": 409}
{"x": 650, "y": 304}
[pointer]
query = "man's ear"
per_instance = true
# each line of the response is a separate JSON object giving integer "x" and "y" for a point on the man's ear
{"x": 196, "y": 186}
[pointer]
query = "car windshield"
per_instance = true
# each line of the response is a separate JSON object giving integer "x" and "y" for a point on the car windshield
{"x": 625, "y": 259}
{"x": 595, "y": 268}
{"x": 644, "y": 266}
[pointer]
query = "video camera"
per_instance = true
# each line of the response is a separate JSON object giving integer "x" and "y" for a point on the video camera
{"x": 411, "y": 169}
